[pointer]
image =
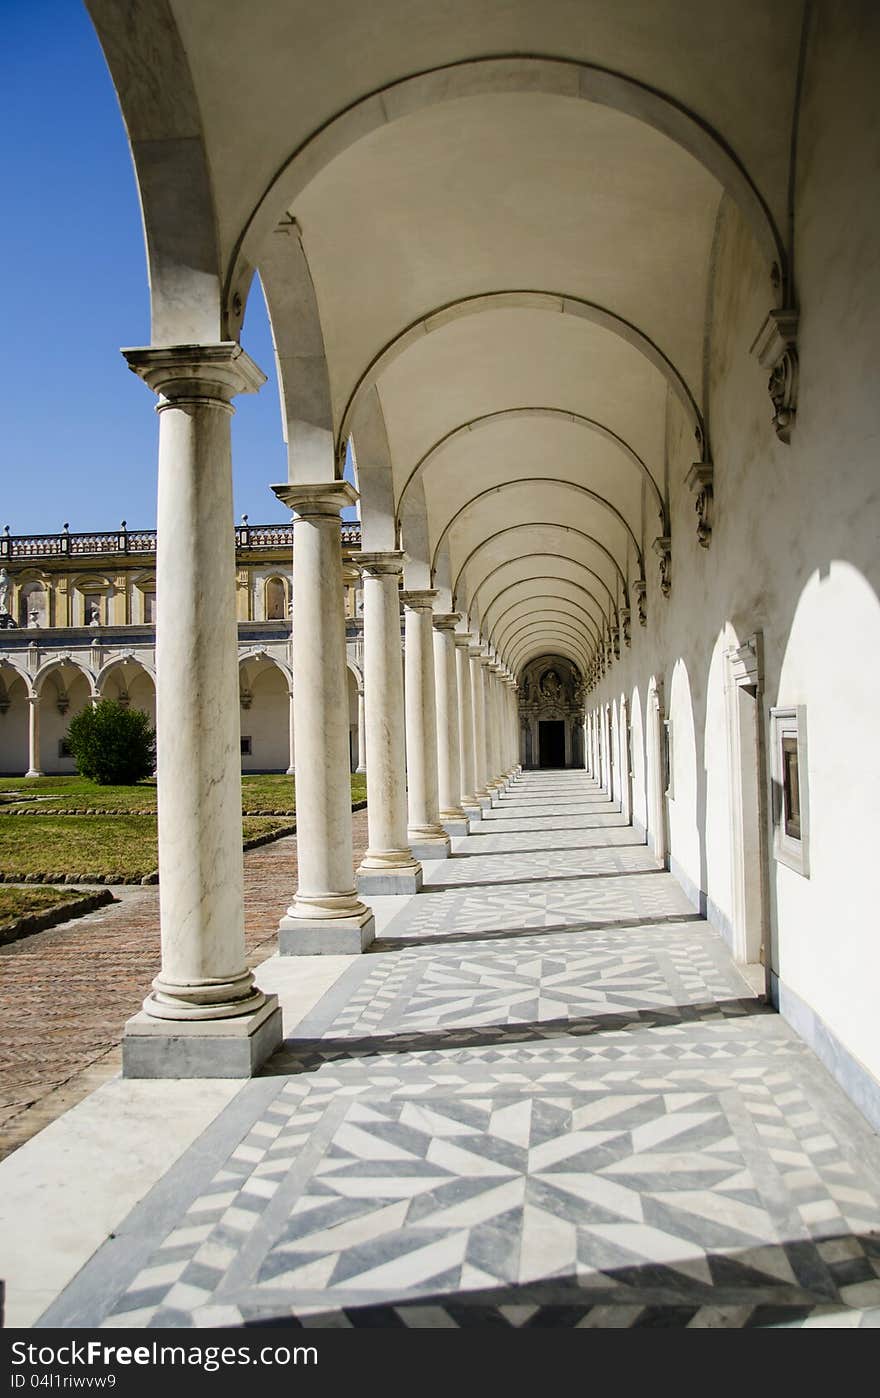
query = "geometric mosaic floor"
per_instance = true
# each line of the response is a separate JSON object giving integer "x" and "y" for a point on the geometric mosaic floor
{"x": 546, "y": 1099}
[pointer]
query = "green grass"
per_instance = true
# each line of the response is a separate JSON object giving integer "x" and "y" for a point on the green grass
{"x": 16, "y": 902}
{"x": 90, "y": 847}
{"x": 274, "y": 792}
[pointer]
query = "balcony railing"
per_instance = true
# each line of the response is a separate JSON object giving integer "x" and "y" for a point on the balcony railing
{"x": 141, "y": 541}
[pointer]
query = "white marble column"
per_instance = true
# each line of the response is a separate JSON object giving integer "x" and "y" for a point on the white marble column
{"x": 451, "y": 815}
{"x": 512, "y": 754}
{"x": 326, "y": 915}
{"x": 496, "y": 776}
{"x": 427, "y": 838}
{"x": 361, "y": 737}
{"x": 34, "y": 769}
{"x": 481, "y": 766}
{"x": 488, "y": 727}
{"x": 291, "y": 742}
{"x": 388, "y": 867}
{"x": 204, "y": 1016}
{"x": 469, "y": 803}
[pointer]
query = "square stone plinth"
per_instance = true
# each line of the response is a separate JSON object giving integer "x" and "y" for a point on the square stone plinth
{"x": 201, "y": 1048}
{"x": 430, "y": 849}
{"x": 382, "y": 882}
{"x": 473, "y": 812}
{"x": 456, "y": 827}
{"x": 325, "y": 936}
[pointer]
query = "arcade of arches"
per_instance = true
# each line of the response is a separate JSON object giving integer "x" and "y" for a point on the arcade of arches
{"x": 590, "y": 293}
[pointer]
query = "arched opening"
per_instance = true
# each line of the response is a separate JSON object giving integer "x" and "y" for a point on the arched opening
{"x": 275, "y": 599}
{"x": 13, "y": 722}
{"x": 551, "y": 713}
{"x": 265, "y": 716}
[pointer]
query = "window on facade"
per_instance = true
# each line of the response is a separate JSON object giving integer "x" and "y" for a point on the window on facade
{"x": 666, "y": 757}
{"x": 246, "y": 747}
{"x": 791, "y": 796}
{"x": 33, "y": 607}
{"x": 789, "y": 778}
{"x": 149, "y": 608}
{"x": 64, "y": 748}
{"x": 275, "y": 600}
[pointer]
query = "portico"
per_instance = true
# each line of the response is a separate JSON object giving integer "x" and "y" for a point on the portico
{"x": 586, "y": 358}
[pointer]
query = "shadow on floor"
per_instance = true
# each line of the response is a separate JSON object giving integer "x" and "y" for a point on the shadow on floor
{"x": 304, "y": 1055}
{"x": 493, "y": 884}
{"x": 384, "y": 944}
{"x": 783, "y": 1284}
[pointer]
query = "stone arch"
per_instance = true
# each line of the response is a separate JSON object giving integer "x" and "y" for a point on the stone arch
{"x": 504, "y": 414}
{"x": 575, "y": 563}
{"x": 500, "y": 74}
{"x": 131, "y": 681}
{"x": 554, "y": 302}
{"x": 543, "y": 524}
{"x": 154, "y": 85}
{"x": 544, "y": 480}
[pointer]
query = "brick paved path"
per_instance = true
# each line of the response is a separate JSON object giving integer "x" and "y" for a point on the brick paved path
{"x": 66, "y": 993}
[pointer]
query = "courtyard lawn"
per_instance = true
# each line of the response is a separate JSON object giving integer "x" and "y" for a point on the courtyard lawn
{"x": 121, "y": 847}
{"x": 17, "y": 902}
{"x": 273, "y": 792}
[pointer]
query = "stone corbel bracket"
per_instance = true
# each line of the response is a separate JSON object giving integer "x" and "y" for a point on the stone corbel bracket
{"x": 640, "y": 588}
{"x": 700, "y": 478}
{"x": 775, "y": 347}
{"x": 663, "y": 549}
{"x": 625, "y": 632}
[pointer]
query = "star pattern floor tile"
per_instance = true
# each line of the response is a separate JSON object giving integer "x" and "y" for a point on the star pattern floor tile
{"x": 491, "y": 1123}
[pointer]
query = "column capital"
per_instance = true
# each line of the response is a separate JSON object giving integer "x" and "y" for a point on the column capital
{"x": 445, "y": 621}
{"x": 381, "y": 564}
{"x": 185, "y": 372}
{"x": 316, "y": 497}
{"x": 463, "y": 639}
{"x": 420, "y": 600}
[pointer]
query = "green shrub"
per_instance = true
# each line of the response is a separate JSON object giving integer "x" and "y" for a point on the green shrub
{"x": 113, "y": 745}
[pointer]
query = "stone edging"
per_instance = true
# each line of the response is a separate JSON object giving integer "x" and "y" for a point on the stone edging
{"x": 29, "y": 923}
{"x": 153, "y": 877}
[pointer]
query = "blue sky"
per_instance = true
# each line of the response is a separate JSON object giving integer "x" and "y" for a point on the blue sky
{"x": 78, "y": 433}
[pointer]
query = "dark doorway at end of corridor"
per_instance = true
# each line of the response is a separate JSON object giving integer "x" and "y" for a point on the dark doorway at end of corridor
{"x": 551, "y": 742}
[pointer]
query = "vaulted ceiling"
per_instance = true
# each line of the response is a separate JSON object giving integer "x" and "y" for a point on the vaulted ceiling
{"x": 485, "y": 231}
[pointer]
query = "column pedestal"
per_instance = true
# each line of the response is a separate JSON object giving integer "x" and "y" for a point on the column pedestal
{"x": 388, "y": 867}
{"x": 204, "y": 1015}
{"x": 326, "y": 916}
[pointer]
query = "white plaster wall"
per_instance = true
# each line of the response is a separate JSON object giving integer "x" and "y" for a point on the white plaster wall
{"x": 266, "y": 722}
{"x": 14, "y": 730}
{"x": 54, "y": 725}
{"x": 639, "y": 768}
{"x": 794, "y": 551}
{"x": 719, "y": 850}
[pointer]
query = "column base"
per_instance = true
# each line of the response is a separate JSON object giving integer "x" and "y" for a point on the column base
{"x": 382, "y": 882}
{"x": 201, "y": 1048}
{"x": 33, "y": 773}
{"x": 454, "y": 822}
{"x": 473, "y": 810}
{"x": 326, "y": 936}
{"x": 485, "y": 801}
